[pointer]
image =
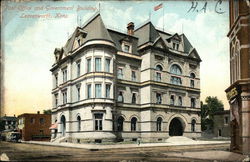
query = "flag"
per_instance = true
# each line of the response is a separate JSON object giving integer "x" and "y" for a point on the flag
{"x": 158, "y": 7}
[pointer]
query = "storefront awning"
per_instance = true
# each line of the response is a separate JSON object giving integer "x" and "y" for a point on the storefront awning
{"x": 53, "y": 126}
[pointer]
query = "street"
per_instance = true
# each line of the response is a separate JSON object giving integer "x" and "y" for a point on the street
{"x": 33, "y": 152}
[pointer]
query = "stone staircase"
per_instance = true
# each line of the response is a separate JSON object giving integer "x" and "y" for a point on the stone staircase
{"x": 58, "y": 139}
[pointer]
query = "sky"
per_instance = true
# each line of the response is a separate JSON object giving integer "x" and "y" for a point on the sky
{"x": 32, "y": 30}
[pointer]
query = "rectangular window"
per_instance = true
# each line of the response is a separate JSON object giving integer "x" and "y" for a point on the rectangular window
{"x": 226, "y": 120}
{"x": 176, "y": 80}
{"x": 98, "y": 91}
{"x": 64, "y": 97}
{"x": 98, "y": 64}
{"x": 107, "y": 91}
{"x": 88, "y": 65}
{"x": 64, "y": 74}
{"x": 98, "y": 121}
{"x": 180, "y": 101}
{"x": 89, "y": 91}
{"x": 120, "y": 73}
{"x": 134, "y": 98}
{"x": 192, "y": 102}
{"x": 173, "y": 45}
{"x": 133, "y": 76}
{"x": 78, "y": 64}
{"x": 107, "y": 65}
{"x": 158, "y": 98}
{"x": 120, "y": 97}
{"x": 32, "y": 120}
{"x": 192, "y": 83}
{"x": 78, "y": 88}
{"x": 172, "y": 100}
{"x": 158, "y": 76}
{"x": 126, "y": 48}
{"x": 56, "y": 100}
{"x": 41, "y": 120}
{"x": 177, "y": 47}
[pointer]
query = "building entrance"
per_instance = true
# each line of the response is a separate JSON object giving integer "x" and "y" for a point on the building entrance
{"x": 63, "y": 125}
{"x": 175, "y": 127}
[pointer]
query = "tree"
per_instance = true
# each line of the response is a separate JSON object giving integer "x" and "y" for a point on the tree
{"x": 211, "y": 106}
{"x": 47, "y": 111}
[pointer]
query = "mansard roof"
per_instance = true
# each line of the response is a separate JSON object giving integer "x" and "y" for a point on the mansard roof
{"x": 94, "y": 29}
{"x": 146, "y": 33}
{"x": 118, "y": 37}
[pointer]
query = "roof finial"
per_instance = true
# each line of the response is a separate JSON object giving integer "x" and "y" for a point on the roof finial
{"x": 99, "y": 7}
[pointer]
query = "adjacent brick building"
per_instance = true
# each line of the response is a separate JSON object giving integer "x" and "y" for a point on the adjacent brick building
{"x": 34, "y": 126}
{"x": 238, "y": 92}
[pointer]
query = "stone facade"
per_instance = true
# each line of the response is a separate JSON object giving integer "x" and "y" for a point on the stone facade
{"x": 222, "y": 124}
{"x": 114, "y": 86}
{"x": 238, "y": 92}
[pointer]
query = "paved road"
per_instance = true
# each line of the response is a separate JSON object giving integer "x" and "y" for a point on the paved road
{"x": 26, "y": 152}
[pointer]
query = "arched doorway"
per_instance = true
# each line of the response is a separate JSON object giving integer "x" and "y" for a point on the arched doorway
{"x": 175, "y": 127}
{"x": 63, "y": 125}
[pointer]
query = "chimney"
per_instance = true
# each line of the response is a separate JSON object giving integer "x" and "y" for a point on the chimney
{"x": 130, "y": 28}
{"x": 38, "y": 112}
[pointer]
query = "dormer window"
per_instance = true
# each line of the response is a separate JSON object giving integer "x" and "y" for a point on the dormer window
{"x": 175, "y": 46}
{"x": 126, "y": 48}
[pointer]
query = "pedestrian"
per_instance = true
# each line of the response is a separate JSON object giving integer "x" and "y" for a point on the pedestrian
{"x": 138, "y": 141}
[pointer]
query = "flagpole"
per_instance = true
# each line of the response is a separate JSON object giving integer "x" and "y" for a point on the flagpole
{"x": 163, "y": 17}
{"x": 149, "y": 16}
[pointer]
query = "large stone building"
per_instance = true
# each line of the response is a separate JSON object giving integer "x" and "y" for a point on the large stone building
{"x": 115, "y": 86}
{"x": 238, "y": 92}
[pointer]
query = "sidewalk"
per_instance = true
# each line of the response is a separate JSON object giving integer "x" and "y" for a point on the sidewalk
{"x": 173, "y": 142}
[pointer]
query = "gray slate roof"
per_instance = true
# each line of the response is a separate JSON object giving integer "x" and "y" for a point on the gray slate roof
{"x": 95, "y": 29}
{"x": 8, "y": 118}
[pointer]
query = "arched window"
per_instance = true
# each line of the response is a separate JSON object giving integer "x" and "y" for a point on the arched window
{"x": 133, "y": 124}
{"x": 192, "y": 76}
{"x": 175, "y": 69}
{"x": 63, "y": 125}
{"x": 120, "y": 97}
{"x": 120, "y": 121}
{"x": 78, "y": 123}
{"x": 158, "y": 124}
{"x": 193, "y": 125}
{"x": 159, "y": 68}
{"x": 158, "y": 72}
